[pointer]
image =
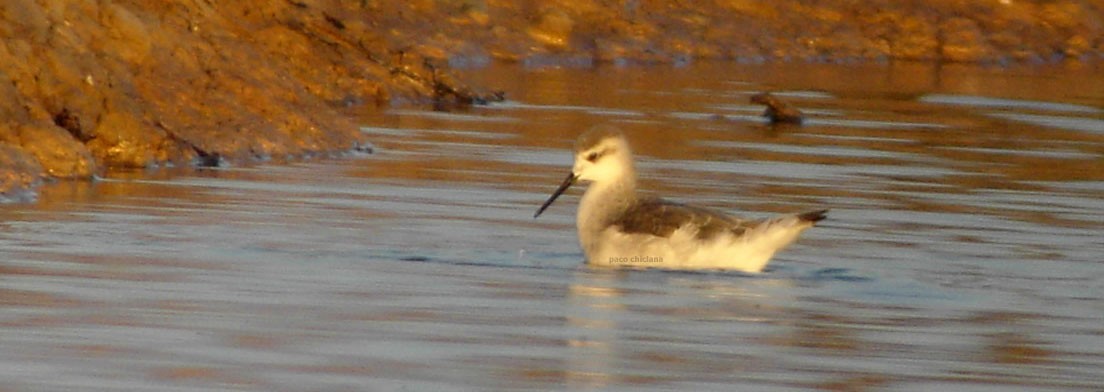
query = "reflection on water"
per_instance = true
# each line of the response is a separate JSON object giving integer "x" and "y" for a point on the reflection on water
{"x": 963, "y": 250}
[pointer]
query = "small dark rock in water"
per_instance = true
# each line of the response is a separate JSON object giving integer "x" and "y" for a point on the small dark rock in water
{"x": 364, "y": 147}
{"x": 204, "y": 159}
{"x": 778, "y": 111}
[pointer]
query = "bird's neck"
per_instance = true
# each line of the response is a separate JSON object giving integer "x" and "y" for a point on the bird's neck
{"x": 621, "y": 186}
{"x": 604, "y": 202}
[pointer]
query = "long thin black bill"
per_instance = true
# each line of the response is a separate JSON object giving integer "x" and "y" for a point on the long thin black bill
{"x": 559, "y": 191}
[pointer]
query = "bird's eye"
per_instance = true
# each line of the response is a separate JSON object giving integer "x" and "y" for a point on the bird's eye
{"x": 592, "y": 156}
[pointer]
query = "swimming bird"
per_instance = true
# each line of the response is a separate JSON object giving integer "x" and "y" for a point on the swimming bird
{"x": 778, "y": 111}
{"x": 619, "y": 227}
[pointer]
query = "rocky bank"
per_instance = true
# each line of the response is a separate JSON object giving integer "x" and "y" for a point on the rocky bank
{"x": 89, "y": 85}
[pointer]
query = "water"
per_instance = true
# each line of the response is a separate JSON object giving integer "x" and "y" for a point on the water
{"x": 963, "y": 250}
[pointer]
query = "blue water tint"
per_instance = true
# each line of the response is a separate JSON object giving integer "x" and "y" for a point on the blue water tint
{"x": 514, "y": 105}
{"x": 804, "y": 94}
{"x": 837, "y": 274}
{"x": 1061, "y": 154}
{"x": 598, "y": 111}
{"x": 871, "y": 139}
{"x": 1080, "y": 186}
{"x": 778, "y": 169}
{"x": 812, "y": 150}
{"x": 545, "y": 61}
{"x": 708, "y": 116}
{"x": 758, "y": 109}
{"x": 1062, "y": 122}
{"x": 421, "y": 266}
{"x": 483, "y": 258}
{"x": 384, "y": 131}
{"x": 448, "y": 116}
{"x": 874, "y": 124}
{"x": 552, "y": 159}
{"x": 990, "y": 102}
{"x": 907, "y": 293}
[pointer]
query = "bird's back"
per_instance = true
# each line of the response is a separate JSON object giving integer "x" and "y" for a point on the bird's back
{"x": 663, "y": 234}
{"x": 662, "y": 218}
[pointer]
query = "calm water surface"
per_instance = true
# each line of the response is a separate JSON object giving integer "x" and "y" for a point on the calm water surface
{"x": 964, "y": 249}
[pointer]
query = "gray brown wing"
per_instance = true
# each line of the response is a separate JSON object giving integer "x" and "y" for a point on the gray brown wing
{"x": 661, "y": 218}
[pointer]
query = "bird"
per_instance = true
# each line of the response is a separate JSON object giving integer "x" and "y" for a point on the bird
{"x": 620, "y": 227}
{"x": 778, "y": 111}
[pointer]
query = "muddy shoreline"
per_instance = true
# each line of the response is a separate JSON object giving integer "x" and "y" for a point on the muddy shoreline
{"x": 98, "y": 85}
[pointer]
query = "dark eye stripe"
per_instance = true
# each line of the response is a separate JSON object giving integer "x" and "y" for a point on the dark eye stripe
{"x": 597, "y": 154}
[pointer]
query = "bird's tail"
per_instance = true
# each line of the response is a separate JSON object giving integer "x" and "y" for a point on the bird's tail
{"x": 813, "y": 216}
{"x": 761, "y": 242}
